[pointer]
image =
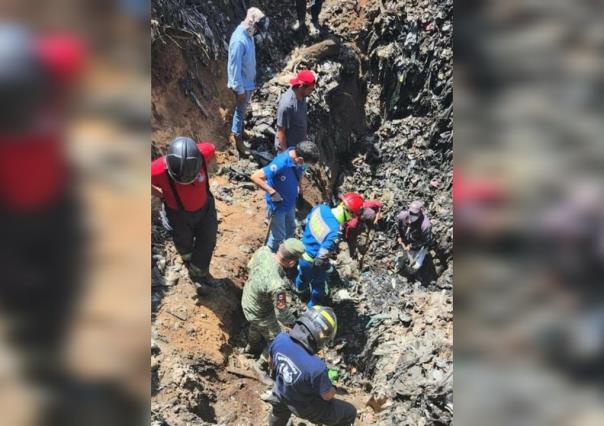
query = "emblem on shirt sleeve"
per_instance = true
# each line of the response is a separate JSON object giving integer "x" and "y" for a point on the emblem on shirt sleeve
{"x": 283, "y": 178}
{"x": 273, "y": 168}
{"x": 281, "y": 301}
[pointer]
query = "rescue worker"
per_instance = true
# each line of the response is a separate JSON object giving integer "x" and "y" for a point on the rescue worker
{"x": 414, "y": 235}
{"x": 320, "y": 241}
{"x": 264, "y": 299}
{"x": 292, "y": 121}
{"x": 302, "y": 385}
{"x": 41, "y": 222}
{"x": 241, "y": 70}
{"x": 181, "y": 180}
{"x": 282, "y": 181}
{"x": 370, "y": 216}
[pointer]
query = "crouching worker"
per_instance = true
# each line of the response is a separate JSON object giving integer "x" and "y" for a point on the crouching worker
{"x": 282, "y": 182}
{"x": 320, "y": 242}
{"x": 181, "y": 180}
{"x": 415, "y": 235}
{"x": 302, "y": 385}
{"x": 370, "y": 215}
{"x": 264, "y": 299}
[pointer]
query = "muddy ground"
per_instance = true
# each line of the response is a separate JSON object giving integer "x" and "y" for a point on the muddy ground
{"x": 379, "y": 116}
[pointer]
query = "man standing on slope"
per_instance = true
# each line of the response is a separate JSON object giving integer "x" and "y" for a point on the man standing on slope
{"x": 320, "y": 237}
{"x": 281, "y": 179}
{"x": 292, "y": 121}
{"x": 181, "y": 180}
{"x": 242, "y": 70}
{"x": 302, "y": 385}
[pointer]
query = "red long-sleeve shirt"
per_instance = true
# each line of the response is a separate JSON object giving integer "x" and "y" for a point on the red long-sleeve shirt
{"x": 33, "y": 164}
{"x": 193, "y": 195}
{"x": 351, "y": 227}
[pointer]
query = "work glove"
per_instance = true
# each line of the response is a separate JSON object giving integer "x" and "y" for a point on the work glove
{"x": 276, "y": 197}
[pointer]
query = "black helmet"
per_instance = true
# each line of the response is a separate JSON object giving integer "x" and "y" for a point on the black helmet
{"x": 319, "y": 324}
{"x": 183, "y": 160}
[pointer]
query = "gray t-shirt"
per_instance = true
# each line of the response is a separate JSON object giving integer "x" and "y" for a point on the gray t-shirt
{"x": 291, "y": 115}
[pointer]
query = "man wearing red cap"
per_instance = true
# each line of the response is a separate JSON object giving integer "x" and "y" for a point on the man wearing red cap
{"x": 292, "y": 123}
{"x": 370, "y": 215}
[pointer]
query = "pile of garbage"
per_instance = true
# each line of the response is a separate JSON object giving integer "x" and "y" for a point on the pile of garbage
{"x": 190, "y": 24}
{"x": 203, "y": 29}
{"x": 409, "y": 110}
{"x": 335, "y": 108}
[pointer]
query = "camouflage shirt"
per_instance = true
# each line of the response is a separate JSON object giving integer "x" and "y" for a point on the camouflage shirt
{"x": 265, "y": 292}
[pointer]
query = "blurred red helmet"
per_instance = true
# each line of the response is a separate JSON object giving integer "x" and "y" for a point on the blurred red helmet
{"x": 353, "y": 202}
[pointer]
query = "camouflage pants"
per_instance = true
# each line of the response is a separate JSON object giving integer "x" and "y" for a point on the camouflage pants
{"x": 266, "y": 329}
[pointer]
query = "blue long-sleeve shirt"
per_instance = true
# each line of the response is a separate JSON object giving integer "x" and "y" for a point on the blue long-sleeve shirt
{"x": 321, "y": 231}
{"x": 241, "y": 67}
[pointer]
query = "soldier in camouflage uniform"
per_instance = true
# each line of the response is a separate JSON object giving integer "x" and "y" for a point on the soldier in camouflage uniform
{"x": 264, "y": 300}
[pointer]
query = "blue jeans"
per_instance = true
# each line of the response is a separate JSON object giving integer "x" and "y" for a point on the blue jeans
{"x": 316, "y": 277}
{"x": 283, "y": 226}
{"x": 239, "y": 114}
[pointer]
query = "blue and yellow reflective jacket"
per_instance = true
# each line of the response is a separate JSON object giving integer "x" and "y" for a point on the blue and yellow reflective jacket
{"x": 321, "y": 231}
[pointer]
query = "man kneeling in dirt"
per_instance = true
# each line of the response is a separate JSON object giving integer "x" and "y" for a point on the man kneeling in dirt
{"x": 370, "y": 215}
{"x": 302, "y": 385}
{"x": 181, "y": 180}
{"x": 265, "y": 293}
{"x": 415, "y": 235}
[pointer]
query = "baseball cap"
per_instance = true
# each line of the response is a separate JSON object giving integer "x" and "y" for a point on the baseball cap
{"x": 305, "y": 77}
{"x": 415, "y": 210}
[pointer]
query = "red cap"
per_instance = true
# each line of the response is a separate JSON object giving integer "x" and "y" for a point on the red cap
{"x": 304, "y": 77}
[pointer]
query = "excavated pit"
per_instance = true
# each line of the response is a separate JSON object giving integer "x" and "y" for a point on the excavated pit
{"x": 381, "y": 115}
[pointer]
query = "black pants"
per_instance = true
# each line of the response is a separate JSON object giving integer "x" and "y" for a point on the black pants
{"x": 40, "y": 259}
{"x": 195, "y": 232}
{"x": 315, "y": 9}
{"x": 335, "y": 412}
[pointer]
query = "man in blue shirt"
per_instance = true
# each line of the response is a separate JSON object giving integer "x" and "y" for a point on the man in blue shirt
{"x": 242, "y": 70}
{"x": 302, "y": 385}
{"x": 319, "y": 239}
{"x": 281, "y": 179}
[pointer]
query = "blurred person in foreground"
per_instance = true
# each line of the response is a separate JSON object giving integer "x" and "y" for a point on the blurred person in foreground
{"x": 414, "y": 235}
{"x": 572, "y": 230}
{"x": 181, "y": 180}
{"x": 41, "y": 251}
{"x": 241, "y": 70}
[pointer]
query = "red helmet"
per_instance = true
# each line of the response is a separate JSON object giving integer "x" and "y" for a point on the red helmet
{"x": 353, "y": 202}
